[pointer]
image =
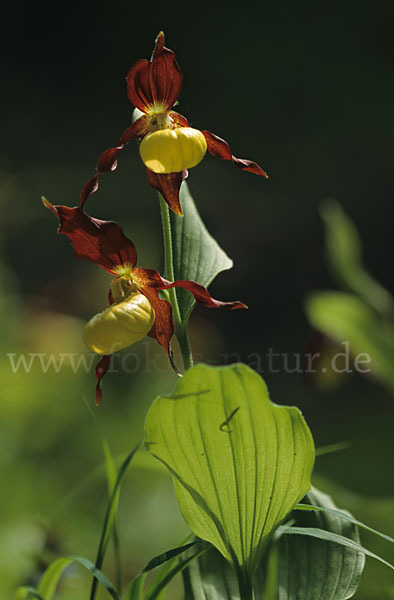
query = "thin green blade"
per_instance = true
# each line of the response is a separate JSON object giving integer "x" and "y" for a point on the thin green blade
{"x": 48, "y": 582}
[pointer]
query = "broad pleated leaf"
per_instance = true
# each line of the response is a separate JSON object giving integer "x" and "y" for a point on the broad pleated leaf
{"x": 311, "y": 568}
{"x": 240, "y": 463}
{"x": 197, "y": 256}
{"x": 210, "y": 577}
{"x": 344, "y": 254}
{"x": 304, "y": 568}
{"x": 345, "y": 318}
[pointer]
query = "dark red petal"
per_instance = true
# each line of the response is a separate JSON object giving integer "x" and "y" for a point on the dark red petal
{"x": 202, "y": 296}
{"x": 157, "y": 81}
{"x": 178, "y": 119}
{"x": 152, "y": 279}
{"x": 163, "y": 328}
{"x": 168, "y": 186}
{"x": 220, "y": 148}
{"x": 138, "y": 89}
{"x": 100, "y": 370}
{"x": 108, "y": 161}
{"x": 102, "y": 242}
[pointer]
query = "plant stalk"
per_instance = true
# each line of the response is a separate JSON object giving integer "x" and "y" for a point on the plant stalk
{"x": 181, "y": 331}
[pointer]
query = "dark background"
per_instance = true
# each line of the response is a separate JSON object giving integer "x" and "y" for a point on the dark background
{"x": 306, "y": 90}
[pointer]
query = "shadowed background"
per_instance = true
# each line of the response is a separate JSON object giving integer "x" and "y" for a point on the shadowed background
{"x": 307, "y": 92}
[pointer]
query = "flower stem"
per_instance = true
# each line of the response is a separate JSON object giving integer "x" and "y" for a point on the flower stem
{"x": 181, "y": 331}
{"x": 245, "y": 586}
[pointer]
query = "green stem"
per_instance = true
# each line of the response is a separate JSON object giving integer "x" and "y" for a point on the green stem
{"x": 245, "y": 586}
{"x": 118, "y": 563}
{"x": 181, "y": 331}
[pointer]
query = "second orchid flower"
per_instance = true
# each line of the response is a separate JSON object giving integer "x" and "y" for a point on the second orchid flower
{"x": 135, "y": 307}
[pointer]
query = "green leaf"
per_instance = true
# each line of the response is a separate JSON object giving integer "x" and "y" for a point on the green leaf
{"x": 311, "y": 568}
{"x": 110, "y": 515}
{"x": 240, "y": 463}
{"x": 332, "y": 537}
{"x": 135, "y": 589}
{"x": 347, "y": 319}
{"x": 344, "y": 254}
{"x": 294, "y": 567}
{"x": 197, "y": 256}
{"x": 166, "y": 556}
{"x": 48, "y": 582}
{"x": 170, "y": 564}
{"x": 210, "y": 577}
{"x": 26, "y": 593}
{"x": 343, "y": 515}
{"x": 330, "y": 448}
{"x": 171, "y": 569}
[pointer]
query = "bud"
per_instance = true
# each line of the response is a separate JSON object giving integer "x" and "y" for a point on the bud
{"x": 173, "y": 150}
{"x": 120, "y": 325}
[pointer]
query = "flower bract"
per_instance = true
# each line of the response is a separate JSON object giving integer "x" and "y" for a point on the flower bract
{"x": 169, "y": 146}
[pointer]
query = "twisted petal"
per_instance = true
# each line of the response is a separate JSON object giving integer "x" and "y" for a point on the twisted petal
{"x": 148, "y": 278}
{"x": 108, "y": 161}
{"x": 163, "y": 328}
{"x": 202, "y": 296}
{"x": 155, "y": 85}
{"x": 220, "y": 148}
{"x": 168, "y": 185}
{"x": 178, "y": 119}
{"x": 102, "y": 242}
{"x": 149, "y": 282}
{"x": 100, "y": 370}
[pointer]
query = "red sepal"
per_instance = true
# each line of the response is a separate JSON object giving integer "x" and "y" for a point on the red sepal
{"x": 168, "y": 186}
{"x": 102, "y": 242}
{"x": 100, "y": 370}
{"x": 148, "y": 279}
{"x": 163, "y": 328}
{"x": 220, "y": 148}
{"x": 155, "y": 82}
{"x": 108, "y": 161}
{"x": 202, "y": 296}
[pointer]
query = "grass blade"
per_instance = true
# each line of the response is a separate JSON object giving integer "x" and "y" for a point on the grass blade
{"x": 332, "y": 537}
{"x": 338, "y": 513}
{"x": 110, "y": 516}
{"x": 26, "y": 592}
{"x": 48, "y": 583}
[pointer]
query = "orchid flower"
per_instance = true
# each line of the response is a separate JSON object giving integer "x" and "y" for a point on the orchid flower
{"x": 135, "y": 307}
{"x": 169, "y": 146}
